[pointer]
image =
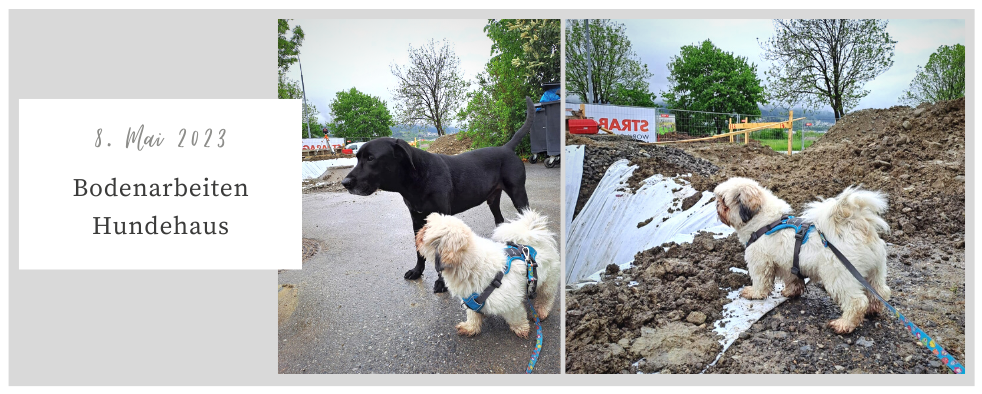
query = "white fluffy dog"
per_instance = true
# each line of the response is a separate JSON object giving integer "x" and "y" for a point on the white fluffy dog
{"x": 850, "y": 222}
{"x": 471, "y": 263}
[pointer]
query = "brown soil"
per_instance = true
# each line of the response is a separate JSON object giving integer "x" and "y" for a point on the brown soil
{"x": 329, "y": 181}
{"x": 286, "y": 302}
{"x": 310, "y": 248}
{"x": 928, "y": 286}
{"x": 611, "y": 325}
{"x": 917, "y": 156}
{"x": 603, "y": 150}
{"x": 327, "y": 156}
{"x": 450, "y": 145}
{"x": 921, "y": 166}
{"x": 577, "y": 139}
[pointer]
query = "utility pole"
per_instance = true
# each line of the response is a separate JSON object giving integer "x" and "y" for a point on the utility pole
{"x": 304, "y": 97}
{"x": 589, "y": 64}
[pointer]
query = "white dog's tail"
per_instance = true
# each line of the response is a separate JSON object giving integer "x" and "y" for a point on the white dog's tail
{"x": 854, "y": 212}
{"x": 530, "y": 228}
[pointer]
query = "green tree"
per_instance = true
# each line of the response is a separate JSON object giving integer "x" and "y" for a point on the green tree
{"x": 288, "y": 54}
{"x": 618, "y": 75}
{"x": 289, "y": 88}
{"x": 431, "y": 87}
{"x": 488, "y": 118}
{"x": 289, "y": 49}
{"x": 634, "y": 93}
{"x": 826, "y": 61}
{"x": 316, "y": 128}
{"x": 359, "y": 115}
{"x": 943, "y": 78}
{"x": 525, "y": 53}
{"x": 532, "y": 45}
{"x": 705, "y": 78}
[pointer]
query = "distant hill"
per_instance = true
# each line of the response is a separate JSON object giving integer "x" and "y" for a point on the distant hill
{"x": 405, "y": 133}
{"x": 777, "y": 112}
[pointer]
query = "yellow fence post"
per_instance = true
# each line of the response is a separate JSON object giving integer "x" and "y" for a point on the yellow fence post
{"x": 737, "y": 129}
{"x": 790, "y": 129}
{"x": 746, "y": 136}
{"x": 729, "y": 127}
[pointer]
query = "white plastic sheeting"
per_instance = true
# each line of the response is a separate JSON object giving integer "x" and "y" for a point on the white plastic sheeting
{"x": 314, "y": 169}
{"x": 742, "y": 313}
{"x": 573, "y": 160}
{"x": 606, "y": 230}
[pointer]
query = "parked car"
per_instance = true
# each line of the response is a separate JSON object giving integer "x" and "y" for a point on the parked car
{"x": 354, "y": 147}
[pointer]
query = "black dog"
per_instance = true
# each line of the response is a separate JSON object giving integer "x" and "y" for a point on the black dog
{"x": 443, "y": 184}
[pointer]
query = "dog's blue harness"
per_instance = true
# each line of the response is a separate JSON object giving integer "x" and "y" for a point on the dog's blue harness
{"x": 801, "y": 231}
{"x": 514, "y": 252}
{"x": 476, "y": 301}
{"x": 799, "y": 225}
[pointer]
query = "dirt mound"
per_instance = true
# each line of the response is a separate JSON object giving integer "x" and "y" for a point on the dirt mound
{"x": 329, "y": 181}
{"x": 603, "y": 150}
{"x": 926, "y": 288}
{"x": 450, "y": 145}
{"x": 577, "y": 139}
{"x": 916, "y": 155}
{"x": 669, "y": 161}
{"x": 328, "y": 156}
{"x": 661, "y": 309}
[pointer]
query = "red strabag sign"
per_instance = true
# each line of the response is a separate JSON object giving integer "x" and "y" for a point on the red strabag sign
{"x": 637, "y": 122}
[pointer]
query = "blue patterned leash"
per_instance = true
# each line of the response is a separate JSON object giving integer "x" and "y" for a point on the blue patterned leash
{"x": 533, "y": 281}
{"x": 912, "y": 328}
{"x": 538, "y": 340}
{"x": 927, "y": 341}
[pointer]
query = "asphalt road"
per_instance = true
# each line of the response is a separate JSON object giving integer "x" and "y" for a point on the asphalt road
{"x": 356, "y": 314}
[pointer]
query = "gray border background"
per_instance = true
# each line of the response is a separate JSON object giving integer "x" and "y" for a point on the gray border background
{"x": 218, "y": 327}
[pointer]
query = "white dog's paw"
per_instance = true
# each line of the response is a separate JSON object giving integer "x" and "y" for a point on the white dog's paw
{"x": 842, "y": 326}
{"x": 751, "y": 293}
{"x": 793, "y": 289}
{"x": 463, "y": 328}
{"x": 875, "y": 308}
{"x": 521, "y": 330}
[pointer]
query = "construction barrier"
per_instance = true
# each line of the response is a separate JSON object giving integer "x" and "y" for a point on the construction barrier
{"x": 744, "y": 129}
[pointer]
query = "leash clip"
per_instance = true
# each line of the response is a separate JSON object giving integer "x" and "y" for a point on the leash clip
{"x": 530, "y": 272}
{"x": 529, "y": 260}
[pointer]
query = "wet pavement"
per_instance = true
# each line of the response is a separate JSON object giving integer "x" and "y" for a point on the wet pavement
{"x": 354, "y": 312}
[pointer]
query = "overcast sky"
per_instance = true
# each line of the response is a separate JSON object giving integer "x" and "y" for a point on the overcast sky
{"x": 656, "y": 41}
{"x": 340, "y": 54}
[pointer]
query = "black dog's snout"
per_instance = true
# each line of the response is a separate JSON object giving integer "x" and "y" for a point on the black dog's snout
{"x": 346, "y": 183}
